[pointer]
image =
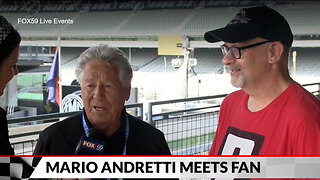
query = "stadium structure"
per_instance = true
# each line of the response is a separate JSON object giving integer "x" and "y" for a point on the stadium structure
{"x": 181, "y": 99}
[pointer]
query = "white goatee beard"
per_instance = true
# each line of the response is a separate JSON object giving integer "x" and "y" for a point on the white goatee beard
{"x": 238, "y": 82}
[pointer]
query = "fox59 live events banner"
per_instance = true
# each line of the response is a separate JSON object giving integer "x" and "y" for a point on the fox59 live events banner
{"x": 177, "y": 167}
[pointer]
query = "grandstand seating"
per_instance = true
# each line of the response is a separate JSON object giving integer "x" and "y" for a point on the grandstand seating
{"x": 13, "y": 17}
{"x": 303, "y": 19}
{"x": 95, "y": 24}
{"x": 69, "y": 56}
{"x": 194, "y": 22}
{"x": 38, "y": 28}
{"x": 148, "y": 60}
{"x": 207, "y": 19}
{"x": 308, "y": 61}
{"x": 154, "y": 22}
{"x": 208, "y": 60}
{"x": 140, "y": 57}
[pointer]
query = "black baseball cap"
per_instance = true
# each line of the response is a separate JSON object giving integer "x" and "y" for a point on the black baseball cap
{"x": 253, "y": 22}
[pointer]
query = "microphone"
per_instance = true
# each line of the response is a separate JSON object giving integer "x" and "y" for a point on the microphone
{"x": 90, "y": 145}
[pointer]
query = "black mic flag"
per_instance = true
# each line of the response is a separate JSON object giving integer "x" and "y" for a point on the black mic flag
{"x": 90, "y": 144}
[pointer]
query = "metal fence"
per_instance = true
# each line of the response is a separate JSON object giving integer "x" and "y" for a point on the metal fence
{"x": 188, "y": 124}
{"x": 314, "y": 88}
{"x": 190, "y": 134}
{"x": 24, "y": 132}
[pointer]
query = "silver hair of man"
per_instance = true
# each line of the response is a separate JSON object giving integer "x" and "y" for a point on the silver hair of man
{"x": 111, "y": 55}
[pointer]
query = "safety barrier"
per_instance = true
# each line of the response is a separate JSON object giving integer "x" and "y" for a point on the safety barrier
{"x": 188, "y": 124}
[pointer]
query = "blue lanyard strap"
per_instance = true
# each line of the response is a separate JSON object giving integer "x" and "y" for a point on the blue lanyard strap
{"x": 85, "y": 126}
{"x": 124, "y": 151}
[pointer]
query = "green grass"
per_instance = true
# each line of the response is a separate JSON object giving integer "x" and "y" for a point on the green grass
{"x": 31, "y": 80}
{"x": 31, "y": 96}
{"x": 190, "y": 141}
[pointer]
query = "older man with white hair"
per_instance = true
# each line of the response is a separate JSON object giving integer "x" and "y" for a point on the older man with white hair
{"x": 104, "y": 74}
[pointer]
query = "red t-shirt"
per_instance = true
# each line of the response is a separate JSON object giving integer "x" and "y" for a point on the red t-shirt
{"x": 289, "y": 125}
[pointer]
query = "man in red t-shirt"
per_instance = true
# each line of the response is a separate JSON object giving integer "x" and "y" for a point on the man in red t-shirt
{"x": 271, "y": 114}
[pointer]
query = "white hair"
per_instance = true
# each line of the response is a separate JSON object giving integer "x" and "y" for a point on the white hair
{"x": 112, "y": 55}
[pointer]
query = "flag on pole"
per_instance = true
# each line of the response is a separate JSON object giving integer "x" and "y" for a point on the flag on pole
{"x": 53, "y": 80}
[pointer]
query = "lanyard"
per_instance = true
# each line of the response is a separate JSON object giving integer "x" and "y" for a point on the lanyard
{"x": 86, "y": 130}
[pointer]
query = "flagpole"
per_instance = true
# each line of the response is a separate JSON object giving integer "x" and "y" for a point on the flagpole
{"x": 60, "y": 70}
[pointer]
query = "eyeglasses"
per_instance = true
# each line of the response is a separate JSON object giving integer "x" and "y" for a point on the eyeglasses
{"x": 236, "y": 51}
